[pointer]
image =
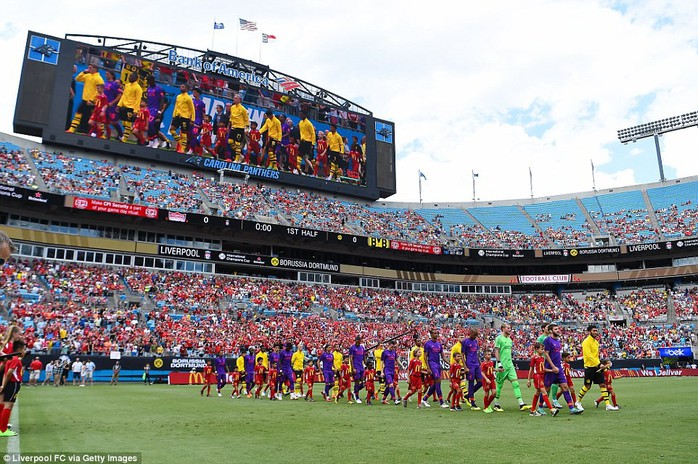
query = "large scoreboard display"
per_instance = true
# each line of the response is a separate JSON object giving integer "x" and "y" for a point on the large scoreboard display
{"x": 52, "y": 91}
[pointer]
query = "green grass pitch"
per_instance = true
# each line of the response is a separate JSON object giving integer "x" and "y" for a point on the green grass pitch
{"x": 173, "y": 424}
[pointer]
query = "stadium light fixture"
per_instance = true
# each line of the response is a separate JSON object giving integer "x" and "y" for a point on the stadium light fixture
{"x": 655, "y": 129}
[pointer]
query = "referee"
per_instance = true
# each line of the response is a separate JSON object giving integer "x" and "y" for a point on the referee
{"x": 6, "y": 247}
{"x": 593, "y": 371}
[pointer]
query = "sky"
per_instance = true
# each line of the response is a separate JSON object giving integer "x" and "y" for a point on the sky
{"x": 493, "y": 88}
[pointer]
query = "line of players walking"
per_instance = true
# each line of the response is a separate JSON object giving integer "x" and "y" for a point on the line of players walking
{"x": 283, "y": 370}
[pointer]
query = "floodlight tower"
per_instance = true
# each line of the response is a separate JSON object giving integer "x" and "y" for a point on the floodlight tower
{"x": 657, "y": 128}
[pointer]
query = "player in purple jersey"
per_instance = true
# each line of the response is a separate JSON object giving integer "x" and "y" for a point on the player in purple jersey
{"x": 389, "y": 358}
{"x": 356, "y": 357}
{"x": 157, "y": 104}
{"x": 199, "y": 111}
{"x": 221, "y": 370}
{"x": 327, "y": 360}
{"x": 434, "y": 353}
{"x": 113, "y": 91}
{"x": 553, "y": 360}
{"x": 249, "y": 371}
{"x": 285, "y": 370}
{"x": 470, "y": 347}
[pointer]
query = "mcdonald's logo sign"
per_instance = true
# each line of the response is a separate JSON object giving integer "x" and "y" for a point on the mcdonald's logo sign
{"x": 196, "y": 378}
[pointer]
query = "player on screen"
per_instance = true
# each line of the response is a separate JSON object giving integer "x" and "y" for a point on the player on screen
{"x": 182, "y": 118}
{"x": 272, "y": 129}
{"x": 222, "y": 148}
{"x": 254, "y": 149}
{"x": 99, "y": 113}
{"x": 335, "y": 150}
{"x": 157, "y": 104}
{"x": 90, "y": 78}
{"x": 239, "y": 123}
{"x": 206, "y": 136}
{"x": 208, "y": 378}
{"x": 307, "y": 142}
{"x": 113, "y": 90}
{"x": 140, "y": 126}
{"x": 294, "y": 160}
{"x": 536, "y": 372}
{"x": 414, "y": 372}
{"x": 129, "y": 103}
{"x": 309, "y": 380}
{"x": 195, "y": 132}
{"x": 321, "y": 166}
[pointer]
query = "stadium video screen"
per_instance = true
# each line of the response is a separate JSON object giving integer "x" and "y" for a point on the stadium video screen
{"x": 104, "y": 83}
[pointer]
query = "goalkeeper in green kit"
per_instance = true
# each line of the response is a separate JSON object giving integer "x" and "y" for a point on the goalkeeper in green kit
{"x": 505, "y": 370}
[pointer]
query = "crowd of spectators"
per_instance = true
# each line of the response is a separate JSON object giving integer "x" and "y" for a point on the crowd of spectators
{"x": 193, "y": 314}
{"x": 76, "y": 176}
{"x": 627, "y": 226}
{"x": 162, "y": 189}
{"x": 686, "y": 303}
{"x": 14, "y": 168}
{"x": 645, "y": 304}
{"x": 678, "y": 222}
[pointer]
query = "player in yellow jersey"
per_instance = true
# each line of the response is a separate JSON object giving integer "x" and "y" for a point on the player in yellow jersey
{"x": 307, "y": 142}
{"x": 335, "y": 150}
{"x": 377, "y": 354}
{"x": 593, "y": 369}
{"x": 129, "y": 104}
{"x": 272, "y": 127}
{"x": 182, "y": 118}
{"x": 90, "y": 78}
{"x": 337, "y": 368}
{"x": 297, "y": 364}
{"x": 239, "y": 124}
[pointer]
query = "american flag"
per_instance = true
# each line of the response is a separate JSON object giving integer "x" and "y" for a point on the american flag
{"x": 287, "y": 84}
{"x": 246, "y": 25}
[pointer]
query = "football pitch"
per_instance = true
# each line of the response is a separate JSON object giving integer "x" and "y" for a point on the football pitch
{"x": 173, "y": 424}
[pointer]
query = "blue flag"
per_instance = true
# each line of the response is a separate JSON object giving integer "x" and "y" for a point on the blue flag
{"x": 422, "y": 176}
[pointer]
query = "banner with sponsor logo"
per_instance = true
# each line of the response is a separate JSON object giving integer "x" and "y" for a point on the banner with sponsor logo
{"x": 631, "y": 373}
{"x": 32, "y": 196}
{"x": 415, "y": 247}
{"x": 304, "y": 265}
{"x": 544, "y": 279}
{"x": 212, "y": 255}
{"x": 676, "y": 352}
{"x": 500, "y": 254}
{"x": 112, "y": 207}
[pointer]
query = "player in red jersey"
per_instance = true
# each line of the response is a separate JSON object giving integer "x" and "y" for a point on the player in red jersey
{"x": 488, "y": 385}
{"x": 566, "y": 360}
{"x": 456, "y": 374}
{"x": 206, "y": 137}
{"x": 344, "y": 380}
{"x": 321, "y": 167}
{"x": 396, "y": 382}
{"x": 222, "y": 148}
{"x": 292, "y": 156}
{"x": 415, "y": 371}
{"x": 11, "y": 383}
{"x": 254, "y": 147}
{"x": 272, "y": 378}
{"x": 259, "y": 372}
{"x": 235, "y": 375}
{"x": 140, "y": 126}
{"x": 309, "y": 379}
{"x": 537, "y": 371}
{"x": 370, "y": 383}
{"x": 99, "y": 113}
{"x": 209, "y": 378}
{"x": 608, "y": 378}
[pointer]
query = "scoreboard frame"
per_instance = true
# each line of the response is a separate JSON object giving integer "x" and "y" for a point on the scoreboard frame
{"x": 44, "y": 98}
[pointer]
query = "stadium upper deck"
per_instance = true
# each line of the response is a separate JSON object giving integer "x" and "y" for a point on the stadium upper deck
{"x": 623, "y": 216}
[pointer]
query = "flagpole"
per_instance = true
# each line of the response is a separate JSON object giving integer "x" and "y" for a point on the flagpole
{"x": 472, "y": 173}
{"x": 237, "y": 35}
{"x": 593, "y": 176}
{"x": 213, "y": 34}
{"x": 420, "y": 187}
{"x": 530, "y": 180}
{"x": 260, "y": 47}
